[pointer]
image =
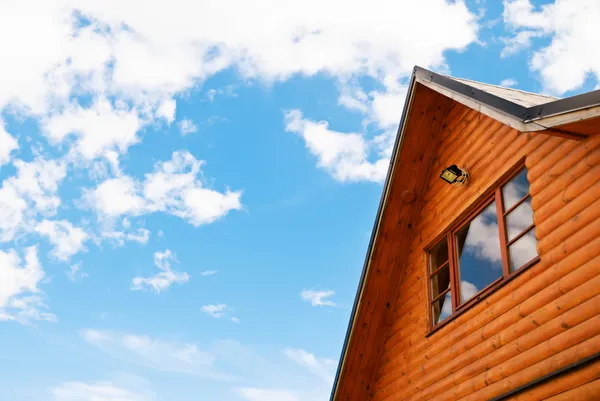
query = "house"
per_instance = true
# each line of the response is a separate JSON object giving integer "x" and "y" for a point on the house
{"x": 482, "y": 277}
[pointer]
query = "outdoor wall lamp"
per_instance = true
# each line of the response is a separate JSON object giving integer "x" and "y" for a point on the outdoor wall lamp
{"x": 455, "y": 175}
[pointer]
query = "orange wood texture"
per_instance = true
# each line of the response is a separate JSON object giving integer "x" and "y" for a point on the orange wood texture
{"x": 424, "y": 124}
{"x": 581, "y": 128}
{"x": 545, "y": 318}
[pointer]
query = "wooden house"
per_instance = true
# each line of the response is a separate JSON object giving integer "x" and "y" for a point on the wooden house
{"x": 482, "y": 277}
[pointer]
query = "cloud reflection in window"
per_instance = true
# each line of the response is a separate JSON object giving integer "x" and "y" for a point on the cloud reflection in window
{"x": 478, "y": 248}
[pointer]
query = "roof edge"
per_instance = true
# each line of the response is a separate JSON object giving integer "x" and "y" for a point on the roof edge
{"x": 515, "y": 110}
{"x": 520, "y": 113}
{"x": 374, "y": 232}
{"x": 566, "y": 105}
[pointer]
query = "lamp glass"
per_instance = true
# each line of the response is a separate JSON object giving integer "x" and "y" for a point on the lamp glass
{"x": 449, "y": 176}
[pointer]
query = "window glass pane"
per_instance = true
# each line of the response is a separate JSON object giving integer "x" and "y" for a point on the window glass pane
{"x": 523, "y": 250}
{"x": 440, "y": 282}
{"x": 478, "y": 250}
{"x": 439, "y": 255}
{"x": 519, "y": 219}
{"x": 515, "y": 190}
{"x": 442, "y": 308}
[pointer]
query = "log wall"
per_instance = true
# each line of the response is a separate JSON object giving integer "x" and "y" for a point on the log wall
{"x": 544, "y": 319}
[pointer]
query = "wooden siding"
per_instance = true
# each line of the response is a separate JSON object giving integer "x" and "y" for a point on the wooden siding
{"x": 421, "y": 135}
{"x": 544, "y": 319}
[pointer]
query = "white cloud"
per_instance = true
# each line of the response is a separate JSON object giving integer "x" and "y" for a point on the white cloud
{"x": 571, "y": 26}
{"x": 174, "y": 187}
{"x": 295, "y": 369}
{"x": 103, "y": 168}
{"x": 521, "y": 41}
{"x": 318, "y": 298}
{"x": 228, "y": 91}
{"x": 131, "y": 68}
{"x": 112, "y": 232}
{"x": 482, "y": 238}
{"x": 219, "y": 311}
{"x": 207, "y": 273}
{"x": 7, "y": 145}
{"x": 386, "y": 107}
{"x": 155, "y": 353}
{"x": 354, "y": 98}
{"x": 75, "y": 272}
{"x": 210, "y": 94}
{"x": 258, "y": 394}
{"x": 323, "y": 368}
{"x": 28, "y": 194}
{"x": 508, "y": 82}
{"x": 20, "y": 297}
{"x": 146, "y": 62}
{"x": 99, "y": 129}
{"x": 66, "y": 238}
{"x": 344, "y": 155}
{"x": 215, "y": 311}
{"x": 116, "y": 197}
{"x": 95, "y": 391}
{"x": 167, "y": 110}
{"x": 187, "y": 126}
{"x": 120, "y": 386}
{"x": 467, "y": 290}
{"x": 141, "y": 236}
{"x": 163, "y": 279}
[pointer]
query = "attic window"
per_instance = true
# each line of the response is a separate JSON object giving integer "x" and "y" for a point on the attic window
{"x": 491, "y": 244}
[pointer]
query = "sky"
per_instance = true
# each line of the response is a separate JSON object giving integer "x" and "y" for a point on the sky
{"x": 188, "y": 188}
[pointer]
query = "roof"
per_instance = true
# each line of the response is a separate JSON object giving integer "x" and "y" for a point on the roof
{"x": 525, "y": 99}
{"x": 524, "y": 111}
{"x": 570, "y": 117}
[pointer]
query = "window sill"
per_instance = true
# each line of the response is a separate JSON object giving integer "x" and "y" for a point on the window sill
{"x": 482, "y": 295}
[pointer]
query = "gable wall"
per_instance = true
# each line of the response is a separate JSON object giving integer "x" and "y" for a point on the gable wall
{"x": 424, "y": 124}
{"x": 546, "y": 318}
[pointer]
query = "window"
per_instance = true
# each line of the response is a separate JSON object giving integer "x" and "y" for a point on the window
{"x": 491, "y": 244}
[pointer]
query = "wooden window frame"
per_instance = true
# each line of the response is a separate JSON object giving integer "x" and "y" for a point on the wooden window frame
{"x": 493, "y": 194}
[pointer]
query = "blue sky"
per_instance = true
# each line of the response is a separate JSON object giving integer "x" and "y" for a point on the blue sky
{"x": 188, "y": 189}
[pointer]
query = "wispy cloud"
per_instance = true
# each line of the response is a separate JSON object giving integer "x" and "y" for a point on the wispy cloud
{"x": 96, "y": 391}
{"x": 66, "y": 238}
{"x": 75, "y": 273}
{"x": 163, "y": 279}
{"x": 8, "y": 144}
{"x": 343, "y": 155}
{"x": 20, "y": 297}
{"x": 175, "y": 187}
{"x": 187, "y": 126}
{"x": 219, "y": 311}
{"x": 261, "y": 394}
{"x": 119, "y": 387}
{"x": 28, "y": 195}
{"x": 167, "y": 356}
{"x": 322, "y": 368}
{"x": 307, "y": 389}
{"x": 215, "y": 311}
{"x": 318, "y": 297}
{"x": 294, "y": 369}
{"x": 206, "y": 273}
{"x": 508, "y": 82}
{"x": 566, "y": 26}
{"x": 227, "y": 91}
{"x": 518, "y": 43}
